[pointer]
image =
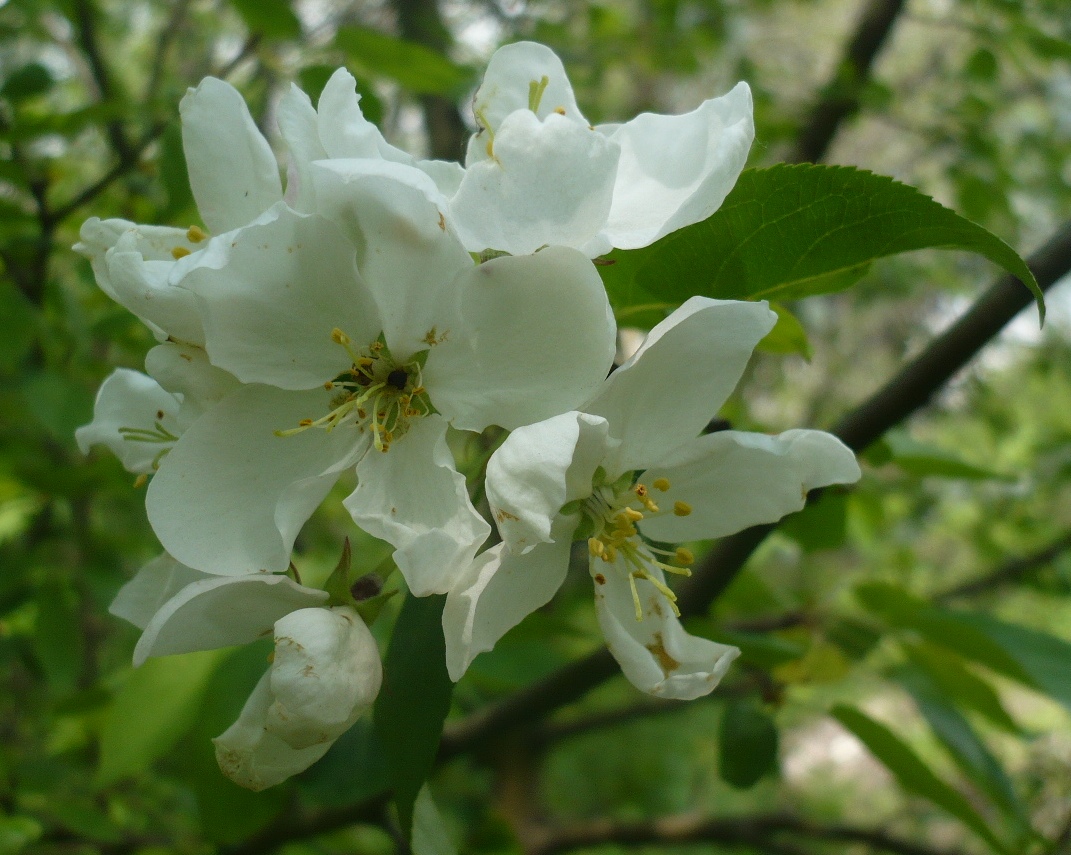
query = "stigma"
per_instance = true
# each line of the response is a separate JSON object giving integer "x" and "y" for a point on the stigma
{"x": 376, "y": 393}
{"x": 612, "y": 513}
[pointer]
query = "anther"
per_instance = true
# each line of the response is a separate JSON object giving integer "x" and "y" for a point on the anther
{"x": 685, "y": 556}
{"x": 682, "y": 509}
{"x": 329, "y": 385}
{"x": 661, "y": 484}
{"x": 195, "y": 234}
{"x": 632, "y": 514}
{"x": 596, "y": 547}
{"x": 339, "y": 337}
{"x": 305, "y": 423}
{"x": 180, "y": 252}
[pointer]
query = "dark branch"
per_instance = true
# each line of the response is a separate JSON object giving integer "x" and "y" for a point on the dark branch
{"x": 1010, "y": 572}
{"x": 765, "y": 833}
{"x": 840, "y": 97}
{"x": 88, "y": 40}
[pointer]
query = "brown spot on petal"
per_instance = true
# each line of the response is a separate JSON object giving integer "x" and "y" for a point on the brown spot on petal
{"x": 658, "y": 649}
{"x": 600, "y": 579}
{"x": 502, "y": 515}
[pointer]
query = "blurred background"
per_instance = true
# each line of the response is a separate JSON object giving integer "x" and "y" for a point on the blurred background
{"x": 927, "y": 609}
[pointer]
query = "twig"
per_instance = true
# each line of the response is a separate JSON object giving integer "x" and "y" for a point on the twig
{"x": 85, "y": 19}
{"x": 761, "y": 831}
{"x": 840, "y": 97}
{"x": 1011, "y": 571}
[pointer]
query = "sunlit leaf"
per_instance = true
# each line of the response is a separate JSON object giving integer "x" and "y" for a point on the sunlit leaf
{"x": 788, "y": 335}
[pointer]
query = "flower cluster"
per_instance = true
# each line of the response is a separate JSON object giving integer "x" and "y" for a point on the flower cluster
{"x": 346, "y": 323}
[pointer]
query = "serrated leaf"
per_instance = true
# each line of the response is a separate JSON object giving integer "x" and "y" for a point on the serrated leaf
{"x": 748, "y": 744}
{"x": 793, "y": 231}
{"x": 156, "y": 705}
{"x": 414, "y": 699}
{"x": 961, "y": 740}
{"x": 911, "y": 772}
{"x": 416, "y": 67}
{"x": 273, "y": 19}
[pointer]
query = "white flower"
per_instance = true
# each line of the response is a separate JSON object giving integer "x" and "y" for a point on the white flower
{"x": 538, "y": 174}
{"x": 633, "y": 462}
{"x": 140, "y": 417}
{"x": 325, "y": 670}
{"x": 370, "y": 328}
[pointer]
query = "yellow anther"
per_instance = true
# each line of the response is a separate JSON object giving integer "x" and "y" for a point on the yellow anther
{"x": 685, "y": 556}
{"x": 180, "y": 252}
{"x": 140, "y": 480}
{"x": 560, "y": 111}
{"x": 329, "y": 385}
{"x": 195, "y": 234}
{"x": 305, "y": 423}
{"x": 632, "y": 514}
{"x": 596, "y": 547}
{"x": 339, "y": 337}
{"x": 365, "y": 362}
{"x": 375, "y": 346}
{"x": 648, "y": 503}
{"x": 610, "y": 555}
{"x": 682, "y": 509}
{"x": 661, "y": 484}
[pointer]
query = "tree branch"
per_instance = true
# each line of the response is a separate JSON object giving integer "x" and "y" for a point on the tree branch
{"x": 1012, "y": 570}
{"x": 86, "y": 26}
{"x": 840, "y": 97}
{"x": 761, "y": 831}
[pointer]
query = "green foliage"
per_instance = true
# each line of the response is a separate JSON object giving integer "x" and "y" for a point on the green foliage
{"x": 416, "y": 67}
{"x": 272, "y": 19}
{"x": 748, "y": 744}
{"x": 789, "y": 232}
{"x": 414, "y": 700}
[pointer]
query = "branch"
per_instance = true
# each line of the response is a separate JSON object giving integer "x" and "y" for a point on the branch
{"x": 760, "y": 831}
{"x": 1012, "y": 570}
{"x": 908, "y": 391}
{"x": 84, "y": 14}
{"x": 840, "y": 98}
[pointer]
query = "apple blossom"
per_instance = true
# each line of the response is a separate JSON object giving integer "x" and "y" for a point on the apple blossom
{"x": 628, "y": 471}
{"x": 325, "y": 670}
{"x": 360, "y": 333}
{"x": 537, "y": 173}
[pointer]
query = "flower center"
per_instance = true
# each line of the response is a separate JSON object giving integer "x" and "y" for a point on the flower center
{"x": 376, "y": 393}
{"x": 612, "y": 512}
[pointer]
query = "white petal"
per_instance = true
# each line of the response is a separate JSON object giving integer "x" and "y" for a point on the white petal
{"x": 679, "y": 378}
{"x": 534, "y": 338}
{"x": 143, "y": 285}
{"x": 413, "y": 497}
{"x": 184, "y": 369}
{"x": 344, "y": 131}
{"x": 233, "y": 173}
{"x": 677, "y": 170}
{"x": 326, "y": 670}
{"x": 271, "y": 295}
{"x": 549, "y": 183}
{"x": 656, "y": 654}
{"x": 733, "y": 480}
{"x": 254, "y": 757}
{"x": 538, "y": 469}
{"x": 508, "y": 80}
{"x": 406, "y": 253}
{"x": 446, "y": 174}
{"x": 129, "y": 399}
{"x": 155, "y": 583}
{"x": 223, "y": 611}
{"x": 231, "y": 496}
{"x": 298, "y": 126}
{"x": 498, "y": 590}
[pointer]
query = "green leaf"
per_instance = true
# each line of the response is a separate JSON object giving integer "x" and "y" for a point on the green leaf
{"x": 18, "y": 832}
{"x": 947, "y": 671}
{"x": 788, "y": 335}
{"x": 59, "y": 404}
{"x": 57, "y": 639}
{"x": 157, "y": 704}
{"x": 414, "y": 699}
{"x": 911, "y": 773}
{"x": 917, "y": 458}
{"x": 792, "y": 231}
{"x": 354, "y": 769}
{"x": 821, "y": 524}
{"x": 26, "y": 82}
{"x": 18, "y": 327}
{"x": 762, "y": 650}
{"x": 964, "y": 744}
{"x": 430, "y": 836}
{"x": 173, "y": 174}
{"x": 416, "y": 67}
{"x": 273, "y": 19}
{"x": 747, "y": 744}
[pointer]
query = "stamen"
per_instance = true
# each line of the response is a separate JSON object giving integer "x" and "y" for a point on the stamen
{"x": 661, "y": 484}
{"x": 536, "y": 88}
{"x": 180, "y": 252}
{"x": 195, "y": 234}
{"x": 682, "y": 509}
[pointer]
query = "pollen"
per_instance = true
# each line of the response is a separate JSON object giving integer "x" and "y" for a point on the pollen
{"x": 180, "y": 252}
{"x": 195, "y": 234}
{"x": 684, "y": 556}
{"x": 661, "y": 484}
{"x": 339, "y": 337}
{"x": 681, "y": 509}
